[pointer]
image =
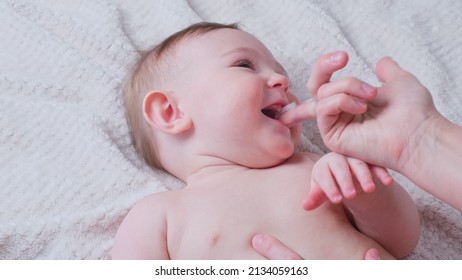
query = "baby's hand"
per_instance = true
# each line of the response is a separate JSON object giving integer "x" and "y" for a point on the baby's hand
{"x": 335, "y": 177}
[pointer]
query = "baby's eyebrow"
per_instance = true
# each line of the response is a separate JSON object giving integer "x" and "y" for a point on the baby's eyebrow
{"x": 278, "y": 66}
{"x": 241, "y": 50}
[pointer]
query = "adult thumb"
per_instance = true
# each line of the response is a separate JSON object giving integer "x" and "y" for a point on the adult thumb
{"x": 387, "y": 69}
{"x": 372, "y": 254}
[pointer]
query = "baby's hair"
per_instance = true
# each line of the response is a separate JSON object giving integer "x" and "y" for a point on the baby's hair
{"x": 144, "y": 77}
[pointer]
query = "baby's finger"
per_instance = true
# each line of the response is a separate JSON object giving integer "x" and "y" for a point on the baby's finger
{"x": 350, "y": 85}
{"x": 340, "y": 169}
{"x": 315, "y": 197}
{"x": 382, "y": 174}
{"x": 324, "y": 180}
{"x": 323, "y": 69}
{"x": 362, "y": 173}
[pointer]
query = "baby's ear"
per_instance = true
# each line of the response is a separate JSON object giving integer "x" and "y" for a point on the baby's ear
{"x": 161, "y": 111}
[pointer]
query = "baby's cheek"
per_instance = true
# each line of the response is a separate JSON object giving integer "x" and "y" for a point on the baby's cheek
{"x": 286, "y": 148}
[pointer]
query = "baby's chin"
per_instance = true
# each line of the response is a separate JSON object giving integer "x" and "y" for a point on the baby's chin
{"x": 269, "y": 164}
{"x": 271, "y": 161}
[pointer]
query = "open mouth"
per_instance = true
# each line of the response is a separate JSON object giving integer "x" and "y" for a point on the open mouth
{"x": 275, "y": 111}
{"x": 272, "y": 111}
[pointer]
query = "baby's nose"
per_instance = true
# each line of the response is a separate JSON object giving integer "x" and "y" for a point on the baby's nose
{"x": 278, "y": 80}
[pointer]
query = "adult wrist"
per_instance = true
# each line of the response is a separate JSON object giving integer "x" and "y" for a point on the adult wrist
{"x": 422, "y": 145}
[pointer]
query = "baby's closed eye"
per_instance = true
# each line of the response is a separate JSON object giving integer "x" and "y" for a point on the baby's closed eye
{"x": 245, "y": 63}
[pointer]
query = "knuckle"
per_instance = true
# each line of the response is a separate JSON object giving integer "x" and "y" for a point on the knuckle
{"x": 340, "y": 99}
{"x": 349, "y": 82}
{"x": 311, "y": 87}
{"x": 323, "y": 91}
{"x": 358, "y": 162}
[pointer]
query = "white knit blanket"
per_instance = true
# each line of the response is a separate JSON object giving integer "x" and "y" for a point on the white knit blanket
{"x": 68, "y": 173}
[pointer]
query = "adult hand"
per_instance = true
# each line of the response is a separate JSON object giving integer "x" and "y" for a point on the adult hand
{"x": 381, "y": 127}
{"x": 273, "y": 249}
{"x": 305, "y": 111}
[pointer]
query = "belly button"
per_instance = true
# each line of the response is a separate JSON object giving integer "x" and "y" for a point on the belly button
{"x": 214, "y": 239}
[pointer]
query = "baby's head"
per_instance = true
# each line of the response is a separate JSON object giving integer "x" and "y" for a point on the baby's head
{"x": 208, "y": 95}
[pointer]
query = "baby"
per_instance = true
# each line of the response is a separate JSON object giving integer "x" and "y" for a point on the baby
{"x": 202, "y": 105}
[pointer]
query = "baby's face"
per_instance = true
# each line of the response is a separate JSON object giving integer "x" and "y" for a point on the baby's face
{"x": 232, "y": 87}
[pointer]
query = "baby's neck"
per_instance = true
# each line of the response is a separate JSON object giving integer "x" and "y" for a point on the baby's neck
{"x": 209, "y": 174}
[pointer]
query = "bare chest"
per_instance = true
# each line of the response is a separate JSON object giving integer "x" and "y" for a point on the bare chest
{"x": 218, "y": 223}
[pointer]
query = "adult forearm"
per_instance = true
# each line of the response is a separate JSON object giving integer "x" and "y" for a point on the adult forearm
{"x": 435, "y": 161}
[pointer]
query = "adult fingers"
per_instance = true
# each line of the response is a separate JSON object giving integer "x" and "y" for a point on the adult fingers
{"x": 323, "y": 69}
{"x": 372, "y": 254}
{"x": 337, "y": 104}
{"x": 304, "y": 111}
{"x": 350, "y": 85}
{"x": 273, "y": 249}
{"x": 387, "y": 69}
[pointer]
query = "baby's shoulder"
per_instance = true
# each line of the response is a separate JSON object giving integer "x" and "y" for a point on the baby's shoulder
{"x": 155, "y": 202}
{"x": 150, "y": 213}
{"x": 143, "y": 227}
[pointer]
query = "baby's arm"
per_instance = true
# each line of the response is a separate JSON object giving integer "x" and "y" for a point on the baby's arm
{"x": 389, "y": 216}
{"x": 381, "y": 209}
{"x": 142, "y": 234}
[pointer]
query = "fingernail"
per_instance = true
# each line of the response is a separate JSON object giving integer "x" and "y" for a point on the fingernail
{"x": 336, "y": 57}
{"x": 351, "y": 193}
{"x": 368, "y": 88}
{"x": 388, "y": 180}
{"x": 259, "y": 238}
{"x": 374, "y": 255}
{"x": 336, "y": 198}
{"x": 360, "y": 102}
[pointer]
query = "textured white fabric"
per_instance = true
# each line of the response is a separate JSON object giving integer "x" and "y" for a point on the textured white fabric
{"x": 68, "y": 173}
